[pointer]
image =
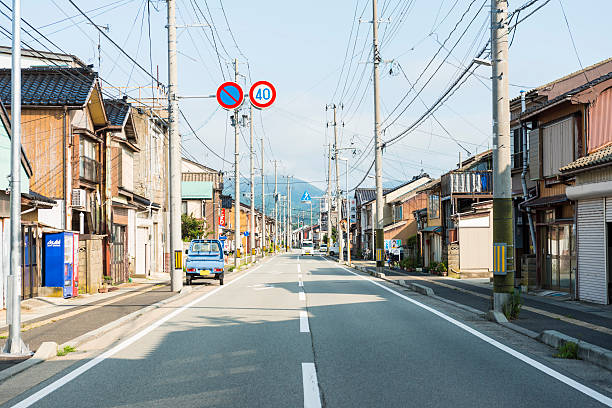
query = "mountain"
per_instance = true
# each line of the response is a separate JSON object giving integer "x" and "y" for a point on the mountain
{"x": 298, "y": 187}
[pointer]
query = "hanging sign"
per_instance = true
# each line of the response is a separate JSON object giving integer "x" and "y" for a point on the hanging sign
{"x": 262, "y": 94}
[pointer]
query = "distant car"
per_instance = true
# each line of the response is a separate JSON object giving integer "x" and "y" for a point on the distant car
{"x": 307, "y": 248}
{"x": 205, "y": 260}
{"x": 323, "y": 249}
{"x": 333, "y": 250}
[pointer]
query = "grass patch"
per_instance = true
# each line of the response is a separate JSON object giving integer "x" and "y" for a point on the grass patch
{"x": 65, "y": 350}
{"x": 3, "y": 337}
{"x": 512, "y": 309}
{"x": 568, "y": 350}
{"x": 231, "y": 268}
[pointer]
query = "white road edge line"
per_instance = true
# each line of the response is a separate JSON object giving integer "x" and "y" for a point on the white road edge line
{"x": 535, "y": 364}
{"x": 37, "y": 396}
{"x": 304, "y": 328}
{"x": 312, "y": 399}
{"x": 302, "y": 295}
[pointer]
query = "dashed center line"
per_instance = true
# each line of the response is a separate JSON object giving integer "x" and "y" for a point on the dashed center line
{"x": 304, "y": 327}
{"x": 301, "y": 284}
{"x": 312, "y": 399}
{"x": 302, "y": 295}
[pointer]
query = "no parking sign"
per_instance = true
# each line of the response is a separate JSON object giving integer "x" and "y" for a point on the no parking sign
{"x": 230, "y": 95}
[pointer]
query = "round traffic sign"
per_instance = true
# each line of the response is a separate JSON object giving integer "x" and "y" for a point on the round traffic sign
{"x": 230, "y": 95}
{"x": 262, "y": 94}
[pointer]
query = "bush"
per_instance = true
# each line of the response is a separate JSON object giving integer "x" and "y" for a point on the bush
{"x": 441, "y": 267}
{"x": 512, "y": 309}
{"x": 568, "y": 350}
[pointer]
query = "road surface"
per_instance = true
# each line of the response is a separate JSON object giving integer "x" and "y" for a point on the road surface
{"x": 299, "y": 332}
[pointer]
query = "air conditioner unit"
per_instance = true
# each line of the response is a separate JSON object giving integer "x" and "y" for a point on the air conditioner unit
{"x": 79, "y": 197}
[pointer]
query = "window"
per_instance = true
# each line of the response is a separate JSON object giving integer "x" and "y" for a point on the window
{"x": 205, "y": 246}
{"x": 517, "y": 148}
{"x": 88, "y": 164}
{"x": 397, "y": 212}
{"x": 557, "y": 146}
{"x": 433, "y": 207}
{"x": 184, "y": 207}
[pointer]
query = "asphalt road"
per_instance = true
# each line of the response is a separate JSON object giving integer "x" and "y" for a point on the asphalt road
{"x": 527, "y": 319}
{"x": 346, "y": 342}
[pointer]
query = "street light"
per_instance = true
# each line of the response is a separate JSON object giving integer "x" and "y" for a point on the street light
{"x": 348, "y": 214}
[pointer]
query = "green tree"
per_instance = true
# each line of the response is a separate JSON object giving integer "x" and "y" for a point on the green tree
{"x": 191, "y": 227}
{"x": 334, "y": 234}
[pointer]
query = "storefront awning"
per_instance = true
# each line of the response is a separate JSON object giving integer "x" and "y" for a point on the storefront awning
{"x": 432, "y": 229}
{"x": 546, "y": 201}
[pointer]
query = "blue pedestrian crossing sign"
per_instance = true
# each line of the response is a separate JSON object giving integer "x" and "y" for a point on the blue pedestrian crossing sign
{"x": 306, "y": 197}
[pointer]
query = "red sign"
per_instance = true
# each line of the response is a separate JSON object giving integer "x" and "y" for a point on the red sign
{"x": 230, "y": 95}
{"x": 262, "y": 94}
{"x": 222, "y": 218}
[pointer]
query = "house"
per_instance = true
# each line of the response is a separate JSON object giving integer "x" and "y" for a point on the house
{"x": 543, "y": 121}
{"x": 147, "y": 242}
{"x": 475, "y": 239}
{"x": 31, "y": 204}
{"x": 395, "y": 227}
{"x": 429, "y": 226}
{"x": 64, "y": 127}
{"x": 226, "y": 226}
{"x": 562, "y": 131}
{"x": 201, "y": 195}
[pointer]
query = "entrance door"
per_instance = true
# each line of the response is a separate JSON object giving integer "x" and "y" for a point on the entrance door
{"x": 119, "y": 270}
{"x": 559, "y": 257}
{"x": 609, "y": 235}
{"x": 142, "y": 236}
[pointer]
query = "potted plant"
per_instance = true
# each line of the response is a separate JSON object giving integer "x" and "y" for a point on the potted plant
{"x": 442, "y": 269}
{"x": 106, "y": 281}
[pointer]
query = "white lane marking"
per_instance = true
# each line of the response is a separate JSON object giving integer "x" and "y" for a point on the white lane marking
{"x": 304, "y": 328}
{"x": 535, "y": 364}
{"x": 37, "y": 396}
{"x": 311, "y": 386}
{"x": 302, "y": 295}
{"x": 299, "y": 268}
{"x": 300, "y": 284}
{"x": 299, "y": 276}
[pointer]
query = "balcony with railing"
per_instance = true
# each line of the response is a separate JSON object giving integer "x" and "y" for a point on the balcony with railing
{"x": 467, "y": 183}
{"x": 89, "y": 169}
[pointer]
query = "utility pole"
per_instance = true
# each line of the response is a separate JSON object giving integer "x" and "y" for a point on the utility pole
{"x": 287, "y": 222}
{"x": 263, "y": 200}
{"x": 380, "y": 239}
{"x": 14, "y": 344}
{"x": 237, "y": 238}
{"x": 503, "y": 233}
{"x": 338, "y": 196}
{"x": 275, "y": 206}
{"x": 328, "y": 197}
{"x": 176, "y": 243}
{"x": 252, "y": 216}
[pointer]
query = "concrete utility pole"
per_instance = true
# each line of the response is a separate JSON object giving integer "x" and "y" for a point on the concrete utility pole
{"x": 176, "y": 243}
{"x": 237, "y": 237}
{"x": 252, "y": 216}
{"x": 14, "y": 344}
{"x": 275, "y": 206}
{"x": 328, "y": 197}
{"x": 338, "y": 196}
{"x": 263, "y": 200}
{"x": 380, "y": 238}
{"x": 288, "y": 222}
{"x": 503, "y": 233}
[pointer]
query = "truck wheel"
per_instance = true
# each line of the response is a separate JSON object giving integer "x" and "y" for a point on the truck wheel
{"x": 221, "y": 280}
{"x": 188, "y": 280}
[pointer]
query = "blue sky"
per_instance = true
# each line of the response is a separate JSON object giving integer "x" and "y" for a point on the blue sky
{"x": 300, "y": 47}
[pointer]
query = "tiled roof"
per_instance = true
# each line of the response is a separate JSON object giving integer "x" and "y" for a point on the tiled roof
{"x": 599, "y": 157}
{"x": 50, "y": 86}
{"x": 363, "y": 195}
{"x": 116, "y": 111}
{"x": 568, "y": 94}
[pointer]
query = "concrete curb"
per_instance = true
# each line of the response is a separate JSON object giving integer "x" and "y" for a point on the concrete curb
{"x": 586, "y": 351}
{"x": 46, "y": 350}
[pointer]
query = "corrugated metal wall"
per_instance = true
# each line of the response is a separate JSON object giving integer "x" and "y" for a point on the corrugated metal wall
{"x": 600, "y": 121}
{"x": 591, "y": 251}
{"x": 557, "y": 146}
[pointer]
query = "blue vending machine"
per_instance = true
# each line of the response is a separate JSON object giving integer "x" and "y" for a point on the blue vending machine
{"x": 59, "y": 261}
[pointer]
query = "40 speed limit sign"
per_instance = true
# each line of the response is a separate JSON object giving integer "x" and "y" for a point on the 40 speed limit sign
{"x": 262, "y": 94}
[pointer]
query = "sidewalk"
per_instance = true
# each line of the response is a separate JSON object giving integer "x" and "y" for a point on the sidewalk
{"x": 61, "y": 320}
{"x": 543, "y": 310}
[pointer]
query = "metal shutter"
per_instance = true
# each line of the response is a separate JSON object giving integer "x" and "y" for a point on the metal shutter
{"x": 591, "y": 251}
{"x": 534, "y": 154}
